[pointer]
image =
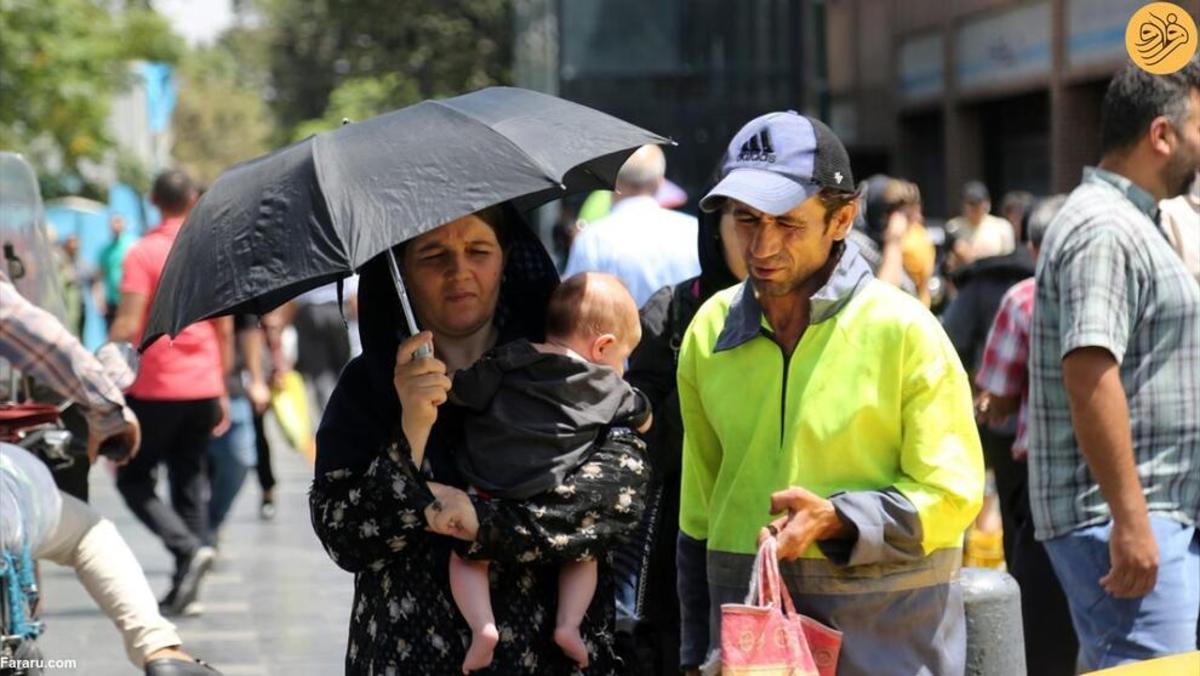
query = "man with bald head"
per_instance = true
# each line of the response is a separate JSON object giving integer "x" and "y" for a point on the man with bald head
{"x": 642, "y": 244}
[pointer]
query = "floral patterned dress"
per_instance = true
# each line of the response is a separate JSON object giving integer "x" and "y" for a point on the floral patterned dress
{"x": 404, "y": 620}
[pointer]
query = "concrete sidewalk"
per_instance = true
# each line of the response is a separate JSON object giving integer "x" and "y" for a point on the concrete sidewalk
{"x": 275, "y": 605}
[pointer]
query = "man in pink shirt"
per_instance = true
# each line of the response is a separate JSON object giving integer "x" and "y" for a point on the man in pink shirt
{"x": 179, "y": 396}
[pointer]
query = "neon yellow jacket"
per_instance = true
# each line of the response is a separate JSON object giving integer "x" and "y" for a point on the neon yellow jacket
{"x": 873, "y": 399}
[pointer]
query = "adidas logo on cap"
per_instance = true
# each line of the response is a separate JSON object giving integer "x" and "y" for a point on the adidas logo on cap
{"x": 758, "y": 148}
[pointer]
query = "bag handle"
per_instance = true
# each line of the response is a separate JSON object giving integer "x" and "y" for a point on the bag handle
{"x": 766, "y": 582}
{"x": 755, "y": 595}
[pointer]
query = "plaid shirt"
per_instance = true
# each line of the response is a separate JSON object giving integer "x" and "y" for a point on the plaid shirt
{"x": 34, "y": 342}
{"x": 1108, "y": 278}
{"x": 1005, "y": 367}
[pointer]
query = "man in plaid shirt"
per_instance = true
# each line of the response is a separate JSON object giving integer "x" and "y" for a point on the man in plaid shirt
{"x": 1114, "y": 364}
{"x": 1003, "y": 382}
{"x": 35, "y": 343}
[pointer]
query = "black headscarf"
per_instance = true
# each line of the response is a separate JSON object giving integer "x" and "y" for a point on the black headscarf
{"x": 714, "y": 269}
{"x": 876, "y": 209}
{"x": 363, "y": 413}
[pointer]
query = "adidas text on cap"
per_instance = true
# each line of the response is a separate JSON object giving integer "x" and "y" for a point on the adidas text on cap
{"x": 779, "y": 160}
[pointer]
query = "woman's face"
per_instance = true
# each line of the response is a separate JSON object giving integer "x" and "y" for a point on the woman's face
{"x": 453, "y": 276}
{"x": 732, "y": 246}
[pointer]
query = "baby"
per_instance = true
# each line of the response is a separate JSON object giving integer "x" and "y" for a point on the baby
{"x": 534, "y": 413}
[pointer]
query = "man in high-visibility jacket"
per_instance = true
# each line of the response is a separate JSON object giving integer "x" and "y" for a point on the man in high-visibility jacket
{"x": 827, "y": 409}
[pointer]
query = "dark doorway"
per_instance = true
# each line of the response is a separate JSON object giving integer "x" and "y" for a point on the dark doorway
{"x": 922, "y": 158}
{"x": 1016, "y": 144}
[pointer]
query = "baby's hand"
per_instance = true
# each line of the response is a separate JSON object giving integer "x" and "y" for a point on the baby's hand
{"x": 449, "y": 522}
{"x": 451, "y": 513}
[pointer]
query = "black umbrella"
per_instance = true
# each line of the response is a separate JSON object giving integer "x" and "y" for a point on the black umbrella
{"x": 316, "y": 211}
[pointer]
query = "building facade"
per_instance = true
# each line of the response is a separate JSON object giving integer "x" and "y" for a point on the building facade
{"x": 1005, "y": 91}
{"x": 936, "y": 91}
{"x": 692, "y": 70}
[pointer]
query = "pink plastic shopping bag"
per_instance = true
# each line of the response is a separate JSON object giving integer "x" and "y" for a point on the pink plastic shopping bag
{"x": 765, "y": 636}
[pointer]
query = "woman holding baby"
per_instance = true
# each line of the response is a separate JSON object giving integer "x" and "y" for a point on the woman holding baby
{"x": 476, "y": 283}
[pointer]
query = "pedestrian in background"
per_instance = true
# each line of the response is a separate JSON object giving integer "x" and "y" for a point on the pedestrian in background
{"x": 75, "y": 281}
{"x": 107, "y": 287}
{"x": 918, "y": 251}
{"x": 644, "y": 245}
{"x": 1003, "y": 382}
{"x": 273, "y": 324}
{"x": 232, "y": 454}
{"x": 1014, "y": 208}
{"x": 179, "y": 396}
{"x": 981, "y": 285}
{"x": 647, "y": 601}
{"x": 977, "y": 233}
{"x": 1181, "y": 224}
{"x": 879, "y": 231}
{"x": 322, "y": 338}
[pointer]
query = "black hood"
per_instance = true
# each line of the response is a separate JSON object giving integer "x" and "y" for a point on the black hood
{"x": 872, "y": 218}
{"x": 1015, "y": 266}
{"x": 714, "y": 270}
{"x": 529, "y": 279}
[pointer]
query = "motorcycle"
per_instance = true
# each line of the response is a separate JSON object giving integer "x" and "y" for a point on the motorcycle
{"x": 36, "y": 426}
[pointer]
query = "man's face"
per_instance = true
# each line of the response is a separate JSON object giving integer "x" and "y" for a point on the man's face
{"x": 1181, "y": 167}
{"x": 975, "y": 211}
{"x": 783, "y": 252}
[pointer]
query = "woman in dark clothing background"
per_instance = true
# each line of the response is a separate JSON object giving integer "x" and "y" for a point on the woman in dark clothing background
{"x": 370, "y": 506}
{"x": 648, "y": 562}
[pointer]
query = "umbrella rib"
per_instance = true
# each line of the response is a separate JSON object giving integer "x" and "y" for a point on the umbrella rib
{"x": 546, "y": 173}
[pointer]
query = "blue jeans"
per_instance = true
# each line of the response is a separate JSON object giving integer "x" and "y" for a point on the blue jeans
{"x": 1113, "y": 631}
{"x": 230, "y": 457}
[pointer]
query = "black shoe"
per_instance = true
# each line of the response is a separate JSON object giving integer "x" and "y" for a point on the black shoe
{"x": 169, "y": 666}
{"x": 168, "y": 601}
{"x": 191, "y": 572}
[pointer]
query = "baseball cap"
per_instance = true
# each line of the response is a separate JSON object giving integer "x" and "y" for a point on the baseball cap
{"x": 779, "y": 160}
{"x": 975, "y": 192}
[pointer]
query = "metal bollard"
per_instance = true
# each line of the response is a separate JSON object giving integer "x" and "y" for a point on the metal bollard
{"x": 995, "y": 638}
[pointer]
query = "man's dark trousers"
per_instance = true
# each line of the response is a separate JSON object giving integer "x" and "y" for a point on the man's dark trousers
{"x": 175, "y": 433}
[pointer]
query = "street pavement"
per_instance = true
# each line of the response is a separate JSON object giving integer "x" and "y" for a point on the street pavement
{"x": 275, "y": 605}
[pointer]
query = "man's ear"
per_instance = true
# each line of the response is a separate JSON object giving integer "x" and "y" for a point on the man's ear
{"x": 843, "y": 220}
{"x": 1162, "y": 135}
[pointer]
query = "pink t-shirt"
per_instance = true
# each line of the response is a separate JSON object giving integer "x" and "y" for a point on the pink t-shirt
{"x": 188, "y": 367}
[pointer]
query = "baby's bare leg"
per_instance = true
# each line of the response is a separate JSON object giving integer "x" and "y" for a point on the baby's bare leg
{"x": 469, "y": 586}
{"x": 576, "y": 587}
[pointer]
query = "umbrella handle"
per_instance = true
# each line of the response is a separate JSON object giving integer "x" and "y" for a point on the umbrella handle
{"x": 425, "y": 350}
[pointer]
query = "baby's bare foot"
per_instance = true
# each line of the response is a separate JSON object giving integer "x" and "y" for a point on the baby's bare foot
{"x": 571, "y": 642}
{"x": 483, "y": 644}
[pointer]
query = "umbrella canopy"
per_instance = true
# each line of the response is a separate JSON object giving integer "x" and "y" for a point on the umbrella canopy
{"x": 317, "y": 210}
